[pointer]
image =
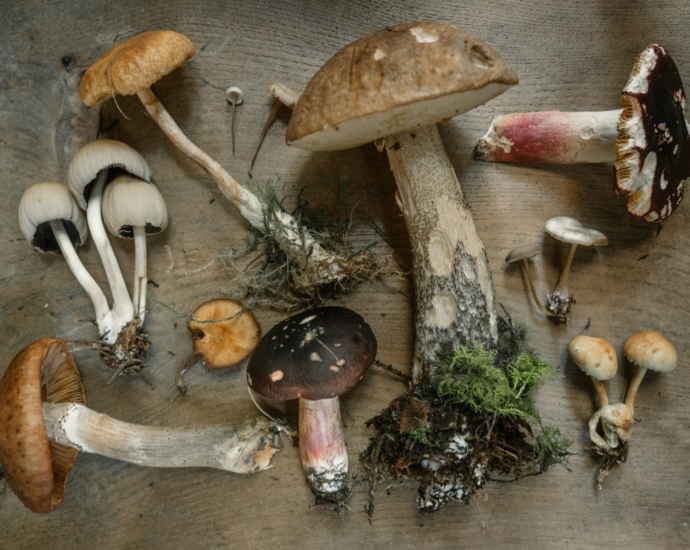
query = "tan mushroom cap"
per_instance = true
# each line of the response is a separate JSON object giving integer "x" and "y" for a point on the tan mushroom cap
{"x": 134, "y": 65}
{"x": 523, "y": 252}
{"x": 570, "y": 230}
{"x": 223, "y": 334}
{"x": 595, "y": 356}
{"x": 650, "y": 350}
{"x": 36, "y": 468}
{"x": 396, "y": 79}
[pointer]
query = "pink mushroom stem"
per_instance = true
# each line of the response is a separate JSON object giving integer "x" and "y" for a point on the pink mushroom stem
{"x": 555, "y": 137}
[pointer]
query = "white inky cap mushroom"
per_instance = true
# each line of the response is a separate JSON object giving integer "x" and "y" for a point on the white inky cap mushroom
{"x": 571, "y": 231}
{"x": 51, "y": 221}
{"x": 45, "y": 422}
{"x": 648, "y": 140}
{"x": 648, "y": 350}
{"x": 133, "y": 208}
{"x": 88, "y": 174}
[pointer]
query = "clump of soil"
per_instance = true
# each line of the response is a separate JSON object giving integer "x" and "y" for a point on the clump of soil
{"x": 126, "y": 356}
{"x": 475, "y": 422}
{"x": 610, "y": 458}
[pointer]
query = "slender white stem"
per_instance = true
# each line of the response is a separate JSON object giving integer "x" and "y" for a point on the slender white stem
{"x": 321, "y": 445}
{"x": 140, "y": 277}
{"x": 551, "y": 137}
{"x": 123, "y": 310}
{"x": 241, "y": 449}
{"x": 100, "y": 303}
{"x": 250, "y": 206}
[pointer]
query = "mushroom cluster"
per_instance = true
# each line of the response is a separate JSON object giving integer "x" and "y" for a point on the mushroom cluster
{"x": 648, "y": 350}
{"x": 567, "y": 230}
{"x": 647, "y": 140}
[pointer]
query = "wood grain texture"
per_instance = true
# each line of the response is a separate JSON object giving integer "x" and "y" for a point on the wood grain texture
{"x": 569, "y": 55}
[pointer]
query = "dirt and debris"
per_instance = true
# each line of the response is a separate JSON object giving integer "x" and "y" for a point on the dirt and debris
{"x": 476, "y": 422}
{"x": 610, "y": 458}
{"x": 126, "y": 356}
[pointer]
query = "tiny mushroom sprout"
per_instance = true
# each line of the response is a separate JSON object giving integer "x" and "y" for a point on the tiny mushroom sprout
{"x": 133, "y": 208}
{"x": 51, "y": 221}
{"x": 45, "y": 422}
{"x": 315, "y": 356}
{"x": 88, "y": 174}
{"x": 597, "y": 359}
{"x": 397, "y": 84}
{"x": 224, "y": 333}
{"x": 132, "y": 67}
{"x": 523, "y": 254}
{"x": 647, "y": 141}
{"x": 648, "y": 350}
{"x": 571, "y": 231}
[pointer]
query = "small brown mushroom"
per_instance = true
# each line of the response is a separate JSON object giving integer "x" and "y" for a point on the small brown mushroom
{"x": 315, "y": 356}
{"x": 224, "y": 333}
{"x": 45, "y": 422}
{"x": 649, "y": 350}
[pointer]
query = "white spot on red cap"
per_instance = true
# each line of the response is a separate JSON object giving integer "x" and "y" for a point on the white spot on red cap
{"x": 334, "y": 368}
{"x": 315, "y": 356}
{"x": 337, "y": 345}
{"x": 277, "y": 375}
{"x": 307, "y": 319}
{"x": 340, "y": 362}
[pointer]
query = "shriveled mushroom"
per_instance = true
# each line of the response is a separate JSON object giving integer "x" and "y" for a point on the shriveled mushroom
{"x": 224, "y": 333}
{"x": 616, "y": 420}
{"x": 522, "y": 254}
{"x": 88, "y": 174}
{"x": 133, "y": 208}
{"x": 571, "y": 231}
{"x": 648, "y": 350}
{"x": 315, "y": 356}
{"x": 597, "y": 359}
{"x": 648, "y": 140}
{"x": 45, "y": 423}
{"x": 397, "y": 84}
{"x": 51, "y": 221}
{"x": 132, "y": 67}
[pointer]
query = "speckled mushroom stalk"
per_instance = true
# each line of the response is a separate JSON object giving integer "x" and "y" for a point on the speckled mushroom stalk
{"x": 405, "y": 80}
{"x": 45, "y": 423}
{"x": 155, "y": 54}
{"x": 51, "y": 221}
{"x": 315, "y": 356}
{"x": 647, "y": 141}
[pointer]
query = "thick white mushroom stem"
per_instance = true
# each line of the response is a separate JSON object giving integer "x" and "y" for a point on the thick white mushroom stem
{"x": 454, "y": 294}
{"x": 551, "y": 137}
{"x": 140, "y": 277}
{"x": 321, "y": 445}
{"x": 633, "y": 387}
{"x": 100, "y": 303}
{"x": 249, "y": 205}
{"x": 560, "y": 298}
{"x": 122, "y": 310}
{"x": 241, "y": 449}
{"x": 601, "y": 392}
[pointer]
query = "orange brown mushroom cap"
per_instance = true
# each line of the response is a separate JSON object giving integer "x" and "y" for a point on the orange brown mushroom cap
{"x": 36, "y": 468}
{"x": 134, "y": 65}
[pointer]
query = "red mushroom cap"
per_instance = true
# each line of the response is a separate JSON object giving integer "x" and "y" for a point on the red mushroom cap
{"x": 36, "y": 468}
{"x": 653, "y": 146}
{"x": 317, "y": 354}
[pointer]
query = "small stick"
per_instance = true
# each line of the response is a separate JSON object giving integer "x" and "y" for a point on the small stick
{"x": 235, "y": 97}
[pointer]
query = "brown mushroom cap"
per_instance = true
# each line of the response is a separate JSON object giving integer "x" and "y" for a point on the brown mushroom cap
{"x": 396, "y": 79}
{"x": 650, "y": 350}
{"x": 36, "y": 468}
{"x": 134, "y": 65}
{"x": 317, "y": 354}
{"x": 223, "y": 334}
{"x": 595, "y": 356}
{"x": 523, "y": 252}
{"x": 653, "y": 145}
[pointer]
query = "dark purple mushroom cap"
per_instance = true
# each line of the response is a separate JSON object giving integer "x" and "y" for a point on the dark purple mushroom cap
{"x": 653, "y": 146}
{"x": 317, "y": 354}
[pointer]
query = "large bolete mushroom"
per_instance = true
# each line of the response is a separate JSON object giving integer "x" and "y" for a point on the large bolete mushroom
{"x": 647, "y": 141}
{"x": 397, "y": 84}
{"x": 45, "y": 422}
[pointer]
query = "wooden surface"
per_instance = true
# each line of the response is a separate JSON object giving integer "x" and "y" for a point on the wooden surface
{"x": 569, "y": 55}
